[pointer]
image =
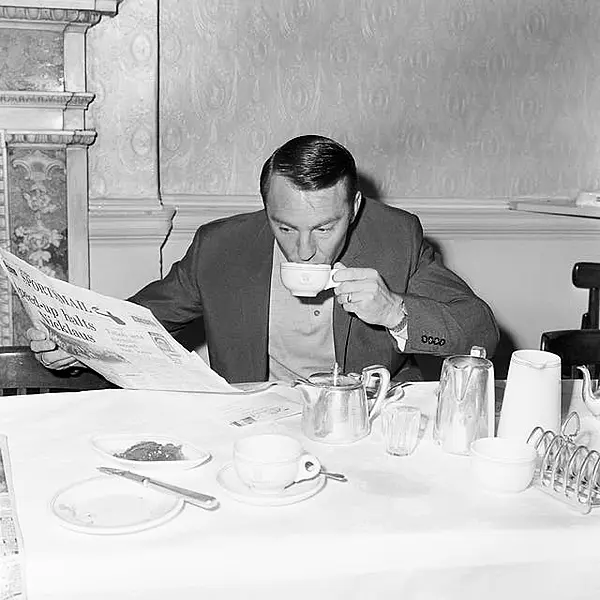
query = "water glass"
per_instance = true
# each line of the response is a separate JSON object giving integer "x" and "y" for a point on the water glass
{"x": 401, "y": 425}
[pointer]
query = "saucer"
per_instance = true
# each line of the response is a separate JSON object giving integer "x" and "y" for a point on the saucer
{"x": 104, "y": 505}
{"x": 231, "y": 483}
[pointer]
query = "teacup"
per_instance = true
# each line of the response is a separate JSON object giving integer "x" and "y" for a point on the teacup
{"x": 503, "y": 465}
{"x": 307, "y": 279}
{"x": 268, "y": 463}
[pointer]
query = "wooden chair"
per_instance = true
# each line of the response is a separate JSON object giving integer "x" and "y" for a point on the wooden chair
{"x": 575, "y": 347}
{"x": 21, "y": 373}
{"x": 586, "y": 275}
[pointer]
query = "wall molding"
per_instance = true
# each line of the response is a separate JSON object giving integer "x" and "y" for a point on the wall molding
{"x": 442, "y": 218}
{"x": 76, "y": 137}
{"x": 81, "y": 12}
{"x": 129, "y": 222}
{"x": 144, "y": 223}
{"x": 62, "y": 100}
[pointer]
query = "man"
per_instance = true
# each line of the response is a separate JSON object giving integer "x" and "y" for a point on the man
{"x": 394, "y": 298}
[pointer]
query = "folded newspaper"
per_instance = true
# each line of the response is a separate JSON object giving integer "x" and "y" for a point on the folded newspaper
{"x": 121, "y": 340}
{"x": 12, "y": 580}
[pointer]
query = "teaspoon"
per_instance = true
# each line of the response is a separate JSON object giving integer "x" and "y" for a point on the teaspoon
{"x": 336, "y": 476}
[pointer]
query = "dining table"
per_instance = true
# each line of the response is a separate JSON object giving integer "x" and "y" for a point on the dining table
{"x": 416, "y": 527}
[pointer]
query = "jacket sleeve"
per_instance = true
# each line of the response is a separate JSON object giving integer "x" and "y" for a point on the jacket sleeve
{"x": 445, "y": 316}
{"x": 176, "y": 299}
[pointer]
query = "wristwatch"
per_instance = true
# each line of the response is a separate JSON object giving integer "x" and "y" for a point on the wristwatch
{"x": 401, "y": 326}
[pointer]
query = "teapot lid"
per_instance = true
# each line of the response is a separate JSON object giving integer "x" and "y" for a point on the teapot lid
{"x": 478, "y": 351}
{"x": 333, "y": 379}
{"x": 477, "y": 358}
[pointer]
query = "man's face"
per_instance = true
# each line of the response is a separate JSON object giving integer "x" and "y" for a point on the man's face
{"x": 310, "y": 227}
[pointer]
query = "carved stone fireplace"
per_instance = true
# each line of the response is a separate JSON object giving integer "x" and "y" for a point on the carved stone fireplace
{"x": 44, "y": 141}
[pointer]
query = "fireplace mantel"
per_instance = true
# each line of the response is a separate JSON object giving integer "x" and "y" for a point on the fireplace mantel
{"x": 104, "y": 7}
{"x": 44, "y": 141}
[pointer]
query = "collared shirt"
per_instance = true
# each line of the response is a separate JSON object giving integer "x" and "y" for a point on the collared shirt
{"x": 300, "y": 330}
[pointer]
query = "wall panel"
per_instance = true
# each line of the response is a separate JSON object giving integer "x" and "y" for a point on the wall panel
{"x": 436, "y": 98}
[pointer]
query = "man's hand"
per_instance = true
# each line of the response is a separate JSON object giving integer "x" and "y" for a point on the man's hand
{"x": 364, "y": 293}
{"x": 48, "y": 353}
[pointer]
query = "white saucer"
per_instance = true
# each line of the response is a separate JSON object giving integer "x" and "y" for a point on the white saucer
{"x": 111, "y": 444}
{"x": 105, "y": 505}
{"x": 231, "y": 483}
{"x": 253, "y": 387}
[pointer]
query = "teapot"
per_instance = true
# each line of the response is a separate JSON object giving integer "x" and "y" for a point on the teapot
{"x": 337, "y": 409}
{"x": 591, "y": 397}
{"x": 465, "y": 409}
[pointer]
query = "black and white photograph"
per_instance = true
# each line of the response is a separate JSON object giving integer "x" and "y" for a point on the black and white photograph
{"x": 300, "y": 299}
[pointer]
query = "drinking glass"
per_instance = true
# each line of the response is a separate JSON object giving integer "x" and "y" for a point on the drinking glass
{"x": 401, "y": 425}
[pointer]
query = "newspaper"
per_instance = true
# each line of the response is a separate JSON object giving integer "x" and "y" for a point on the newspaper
{"x": 12, "y": 579}
{"x": 259, "y": 403}
{"x": 121, "y": 340}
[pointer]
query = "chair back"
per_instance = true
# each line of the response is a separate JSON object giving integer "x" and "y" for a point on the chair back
{"x": 575, "y": 347}
{"x": 21, "y": 373}
{"x": 586, "y": 275}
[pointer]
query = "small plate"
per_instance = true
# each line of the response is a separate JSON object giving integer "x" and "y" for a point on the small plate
{"x": 105, "y": 506}
{"x": 109, "y": 445}
{"x": 231, "y": 483}
{"x": 253, "y": 387}
{"x": 256, "y": 387}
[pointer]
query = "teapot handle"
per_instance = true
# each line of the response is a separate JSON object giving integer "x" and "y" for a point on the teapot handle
{"x": 384, "y": 383}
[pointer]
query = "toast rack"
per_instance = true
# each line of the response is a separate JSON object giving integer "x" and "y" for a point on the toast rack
{"x": 567, "y": 470}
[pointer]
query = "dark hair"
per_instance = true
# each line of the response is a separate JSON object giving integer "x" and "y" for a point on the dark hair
{"x": 310, "y": 163}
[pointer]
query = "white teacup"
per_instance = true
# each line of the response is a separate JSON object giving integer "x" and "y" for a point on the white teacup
{"x": 307, "y": 279}
{"x": 269, "y": 462}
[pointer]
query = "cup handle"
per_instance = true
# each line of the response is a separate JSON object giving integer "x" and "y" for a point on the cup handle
{"x": 308, "y": 468}
{"x": 331, "y": 283}
{"x": 382, "y": 387}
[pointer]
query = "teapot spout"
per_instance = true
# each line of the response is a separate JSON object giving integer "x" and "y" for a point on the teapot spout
{"x": 310, "y": 393}
{"x": 591, "y": 397}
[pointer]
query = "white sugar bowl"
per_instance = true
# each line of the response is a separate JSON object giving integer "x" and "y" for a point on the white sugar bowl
{"x": 503, "y": 465}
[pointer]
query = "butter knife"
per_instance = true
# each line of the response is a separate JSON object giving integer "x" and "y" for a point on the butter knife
{"x": 195, "y": 498}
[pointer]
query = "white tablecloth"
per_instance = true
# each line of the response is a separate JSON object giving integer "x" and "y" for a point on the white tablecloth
{"x": 416, "y": 527}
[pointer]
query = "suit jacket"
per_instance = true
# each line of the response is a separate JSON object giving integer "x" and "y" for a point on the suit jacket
{"x": 225, "y": 277}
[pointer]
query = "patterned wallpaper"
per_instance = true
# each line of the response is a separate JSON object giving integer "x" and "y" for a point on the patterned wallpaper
{"x": 121, "y": 69}
{"x": 436, "y": 98}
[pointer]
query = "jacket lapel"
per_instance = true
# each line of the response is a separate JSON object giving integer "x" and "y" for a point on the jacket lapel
{"x": 243, "y": 283}
{"x": 255, "y": 309}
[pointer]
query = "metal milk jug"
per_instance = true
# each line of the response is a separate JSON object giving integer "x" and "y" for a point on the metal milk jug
{"x": 466, "y": 406}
